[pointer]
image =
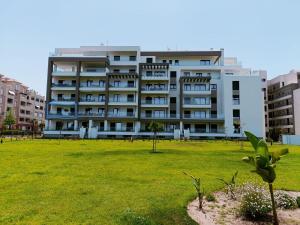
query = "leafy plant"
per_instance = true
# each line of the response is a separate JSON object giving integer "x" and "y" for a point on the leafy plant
{"x": 155, "y": 128}
{"x": 298, "y": 201}
{"x": 210, "y": 197}
{"x": 230, "y": 185}
{"x": 264, "y": 163}
{"x": 197, "y": 185}
{"x": 255, "y": 202}
{"x": 284, "y": 200}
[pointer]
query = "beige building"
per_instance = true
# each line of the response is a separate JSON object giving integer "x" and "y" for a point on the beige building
{"x": 27, "y": 105}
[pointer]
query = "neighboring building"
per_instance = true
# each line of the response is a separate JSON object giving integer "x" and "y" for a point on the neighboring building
{"x": 284, "y": 104}
{"x": 27, "y": 105}
{"x": 116, "y": 91}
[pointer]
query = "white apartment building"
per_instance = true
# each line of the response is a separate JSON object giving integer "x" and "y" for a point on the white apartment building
{"x": 284, "y": 104}
{"x": 116, "y": 91}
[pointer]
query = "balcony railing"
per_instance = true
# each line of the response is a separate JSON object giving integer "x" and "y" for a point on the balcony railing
{"x": 155, "y": 102}
{"x": 214, "y": 131}
{"x": 154, "y": 88}
{"x": 122, "y": 129}
{"x": 121, "y": 114}
{"x": 192, "y": 102}
{"x": 91, "y": 114}
{"x": 64, "y": 99}
{"x": 92, "y": 85}
{"x": 196, "y": 89}
{"x": 122, "y": 100}
{"x": 122, "y": 86}
{"x": 92, "y": 100}
{"x": 235, "y": 101}
{"x": 61, "y": 114}
{"x": 156, "y": 75}
{"x": 63, "y": 85}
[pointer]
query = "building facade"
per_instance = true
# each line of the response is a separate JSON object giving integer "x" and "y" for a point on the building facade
{"x": 284, "y": 104}
{"x": 26, "y": 105}
{"x": 116, "y": 91}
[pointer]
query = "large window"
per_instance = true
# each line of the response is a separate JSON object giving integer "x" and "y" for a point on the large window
{"x": 117, "y": 58}
{"x": 204, "y": 62}
{"x": 132, "y": 58}
{"x": 235, "y": 85}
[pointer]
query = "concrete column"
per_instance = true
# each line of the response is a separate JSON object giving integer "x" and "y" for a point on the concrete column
{"x": 105, "y": 125}
{"x": 181, "y": 126}
{"x": 137, "y": 126}
{"x": 75, "y": 124}
{"x": 90, "y": 124}
{"x": 47, "y": 124}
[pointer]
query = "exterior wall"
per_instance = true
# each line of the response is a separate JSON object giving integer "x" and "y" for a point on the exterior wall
{"x": 297, "y": 111}
{"x": 189, "y": 93}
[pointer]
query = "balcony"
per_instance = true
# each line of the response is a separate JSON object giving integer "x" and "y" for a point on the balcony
{"x": 155, "y": 90}
{"x": 212, "y": 117}
{"x": 91, "y": 114}
{"x": 97, "y": 72}
{"x": 91, "y": 101}
{"x": 156, "y": 76}
{"x": 207, "y": 132}
{"x": 235, "y": 101}
{"x": 155, "y": 103}
{"x": 62, "y": 101}
{"x": 66, "y": 87}
{"x": 122, "y": 102}
{"x": 91, "y": 87}
{"x": 123, "y": 87}
{"x": 159, "y": 116}
{"x": 197, "y": 91}
{"x": 122, "y": 115}
{"x": 60, "y": 115}
{"x": 63, "y": 73}
{"x": 196, "y": 104}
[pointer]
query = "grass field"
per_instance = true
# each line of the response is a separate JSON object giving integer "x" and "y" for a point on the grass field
{"x": 96, "y": 182}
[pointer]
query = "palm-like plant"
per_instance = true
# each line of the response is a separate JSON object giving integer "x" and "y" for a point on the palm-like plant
{"x": 265, "y": 163}
{"x": 197, "y": 185}
{"x": 230, "y": 185}
{"x": 155, "y": 128}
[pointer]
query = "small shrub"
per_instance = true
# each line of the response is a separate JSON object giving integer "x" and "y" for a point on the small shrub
{"x": 132, "y": 218}
{"x": 298, "y": 201}
{"x": 284, "y": 200}
{"x": 255, "y": 202}
{"x": 210, "y": 197}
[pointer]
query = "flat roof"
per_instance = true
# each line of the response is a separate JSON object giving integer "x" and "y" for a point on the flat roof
{"x": 181, "y": 53}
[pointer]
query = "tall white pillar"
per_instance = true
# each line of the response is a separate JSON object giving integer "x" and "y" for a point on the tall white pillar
{"x": 47, "y": 124}
{"x": 105, "y": 125}
{"x": 75, "y": 124}
{"x": 90, "y": 124}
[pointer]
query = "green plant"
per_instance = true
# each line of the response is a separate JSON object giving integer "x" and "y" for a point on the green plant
{"x": 230, "y": 185}
{"x": 255, "y": 202}
{"x": 197, "y": 185}
{"x": 210, "y": 197}
{"x": 298, "y": 201}
{"x": 155, "y": 128}
{"x": 264, "y": 163}
{"x": 284, "y": 200}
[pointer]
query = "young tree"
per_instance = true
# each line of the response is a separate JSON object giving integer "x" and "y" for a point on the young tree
{"x": 265, "y": 163}
{"x": 155, "y": 128}
{"x": 34, "y": 127}
{"x": 10, "y": 120}
{"x": 199, "y": 190}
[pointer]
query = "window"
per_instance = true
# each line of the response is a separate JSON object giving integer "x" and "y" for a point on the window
{"x": 186, "y": 74}
{"x": 213, "y": 114}
{"x": 164, "y": 61}
{"x": 130, "y": 83}
{"x": 173, "y": 74}
{"x": 236, "y": 113}
{"x": 149, "y": 60}
{"x": 235, "y": 85}
{"x": 204, "y": 62}
{"x": 213, "y": 100}
{"x": 199, "y": 74}
{"x": 187, "y": 87}
{"x": 170, "y": 61}
{"x": 116, "y": 71}
{"x": 263, "y": 80}
{"x": 176, "y": 62}
{"x": 130, "y": 98}
{"x": 282, "y": 84}
{"x": 148, "y": 73}
{"x": 173, "y": 113}
{"x": 173, "y": 100}
{"x": 132, "y": 70}
{"x": 117, "y": 58}
{"x": 213, "y": 87}
{"x": 200, "y": 87}
{"x": 116, "y": 98}
{"x": 116, "y": 83}
{"x": 101, "y": 98}
{"x": 172, "y": 86}
{"x": 132, "y": 58}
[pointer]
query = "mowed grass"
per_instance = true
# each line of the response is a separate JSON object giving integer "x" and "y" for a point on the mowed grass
{"x": 95, "y": 182}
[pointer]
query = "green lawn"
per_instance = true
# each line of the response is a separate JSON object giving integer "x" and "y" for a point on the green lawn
{"x": 95, "y": 182}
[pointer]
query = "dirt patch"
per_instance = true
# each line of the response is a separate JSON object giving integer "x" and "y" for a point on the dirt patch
{"x": 224, "y": 212}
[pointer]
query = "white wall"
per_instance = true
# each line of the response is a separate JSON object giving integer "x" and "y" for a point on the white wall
{"x": 251, "y": 105}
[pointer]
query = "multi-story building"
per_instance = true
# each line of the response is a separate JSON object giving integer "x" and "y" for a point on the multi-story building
{"x": 26, "y": 105}
{"x": 284, "y": 104}
{"x": 116, "y": 91}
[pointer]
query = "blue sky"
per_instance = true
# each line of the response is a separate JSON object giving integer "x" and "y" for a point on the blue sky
{"x": 263, "y": 34}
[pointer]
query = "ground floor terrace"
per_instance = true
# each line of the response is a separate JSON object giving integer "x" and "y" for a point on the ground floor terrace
{"x": 127, "y": 127}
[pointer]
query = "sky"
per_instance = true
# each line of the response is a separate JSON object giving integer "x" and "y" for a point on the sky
{"x": 263, "y": 34}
